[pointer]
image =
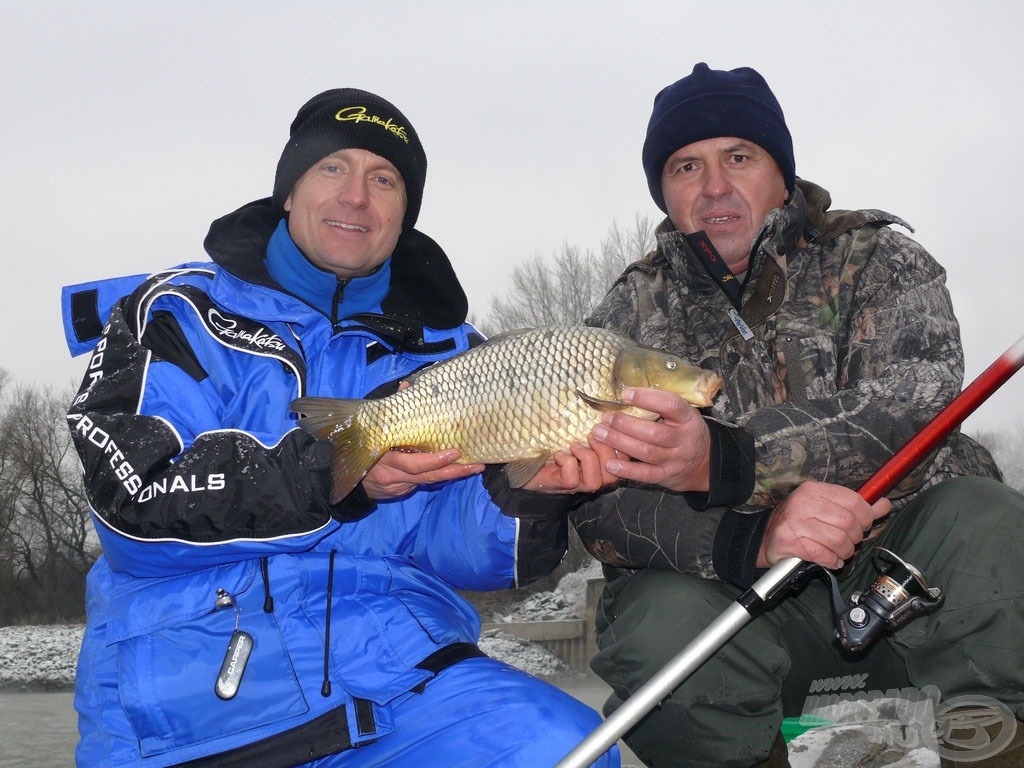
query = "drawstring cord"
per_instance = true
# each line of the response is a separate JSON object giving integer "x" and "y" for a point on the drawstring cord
{"x": 325, "y": 689}
{"x": 268, "y": 599}
{"x": 268, "y": 607}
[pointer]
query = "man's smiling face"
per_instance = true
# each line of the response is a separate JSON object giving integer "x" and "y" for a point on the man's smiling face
{"x": 345, "y": 213}
{"x": 723, "y": 186}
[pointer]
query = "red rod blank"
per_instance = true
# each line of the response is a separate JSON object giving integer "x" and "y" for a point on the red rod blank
{"x": 948, "y": 419}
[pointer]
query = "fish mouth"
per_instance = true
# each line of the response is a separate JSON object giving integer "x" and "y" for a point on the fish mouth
{"x": 706, "y": 388}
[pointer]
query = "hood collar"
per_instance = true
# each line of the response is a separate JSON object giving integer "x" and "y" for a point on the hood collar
{"x": 424, "y": 289}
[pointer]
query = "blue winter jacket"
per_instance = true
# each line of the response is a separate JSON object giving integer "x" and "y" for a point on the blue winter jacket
{"x": 212, "y": 507}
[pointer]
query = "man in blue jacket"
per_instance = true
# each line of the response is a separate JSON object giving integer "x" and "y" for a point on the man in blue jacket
{"x": 237, "y": 616}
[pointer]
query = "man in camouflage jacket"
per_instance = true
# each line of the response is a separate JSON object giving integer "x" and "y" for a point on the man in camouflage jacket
{"x": 836, "y": 340}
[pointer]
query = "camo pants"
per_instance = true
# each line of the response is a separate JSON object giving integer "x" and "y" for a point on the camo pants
{"x": 966, "y": 535}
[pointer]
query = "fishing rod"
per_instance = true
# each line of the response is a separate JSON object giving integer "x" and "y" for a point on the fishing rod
{"x": 781, "y": 576}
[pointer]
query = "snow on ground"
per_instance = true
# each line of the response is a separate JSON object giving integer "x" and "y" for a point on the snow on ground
{"x": 523, "y": 655}
{"x": 39, "y": 658}
{"x": 42, "y": 658}
{"x": 567, "y": 601}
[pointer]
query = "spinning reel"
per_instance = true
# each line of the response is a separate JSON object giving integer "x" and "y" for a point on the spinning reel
{"x": 898, "y": 595}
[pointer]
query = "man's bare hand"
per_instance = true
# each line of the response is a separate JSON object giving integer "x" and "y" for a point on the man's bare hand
{"x": 673, "y": 452}
{"x": 579, "y": 470}
{"x": 399, "y": 472}
{"x": 821, "y": 523}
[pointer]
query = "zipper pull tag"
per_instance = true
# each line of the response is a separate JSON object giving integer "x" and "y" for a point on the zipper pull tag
{"x": 229, "y": 680}
{"x": 741, "y": 325}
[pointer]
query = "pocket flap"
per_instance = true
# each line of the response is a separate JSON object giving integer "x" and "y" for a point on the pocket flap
{"x": 141, "y": 606}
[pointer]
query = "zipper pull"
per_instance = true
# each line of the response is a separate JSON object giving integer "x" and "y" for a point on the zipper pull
{"x": 741, "y": 325}
{"x": 236, "y": 659}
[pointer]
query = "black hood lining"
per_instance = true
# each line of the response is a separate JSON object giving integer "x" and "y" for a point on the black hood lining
{"x": 425, "y": 291}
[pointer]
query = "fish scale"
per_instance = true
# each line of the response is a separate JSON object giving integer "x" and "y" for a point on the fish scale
{"x": 516, "y": 399}
{"x": 448, "y": 414}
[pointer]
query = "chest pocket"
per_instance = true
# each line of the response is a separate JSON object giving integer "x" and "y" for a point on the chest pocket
{"x": 807, "y": 356}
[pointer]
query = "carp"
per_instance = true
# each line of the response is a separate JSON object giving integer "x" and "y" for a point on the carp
{"x": 515, "y": 399}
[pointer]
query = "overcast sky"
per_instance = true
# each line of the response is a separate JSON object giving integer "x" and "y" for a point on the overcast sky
{"x": 128, "y": 126}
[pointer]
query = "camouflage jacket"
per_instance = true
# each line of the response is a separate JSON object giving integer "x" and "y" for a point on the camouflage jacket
{"x": 853, "y": 348}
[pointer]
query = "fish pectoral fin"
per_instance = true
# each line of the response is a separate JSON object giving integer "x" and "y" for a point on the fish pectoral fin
{"x": 520, "y": 471}
{"x": 599, "y": 404}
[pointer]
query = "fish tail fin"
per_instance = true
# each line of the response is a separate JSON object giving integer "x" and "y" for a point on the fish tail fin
{"x": 336, "y": 420}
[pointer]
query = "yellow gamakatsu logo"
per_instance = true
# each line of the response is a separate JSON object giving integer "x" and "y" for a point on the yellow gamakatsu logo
{"x": 358, "y": 114}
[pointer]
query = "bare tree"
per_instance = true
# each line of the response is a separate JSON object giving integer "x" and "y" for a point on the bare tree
{"x": 621, "y": 247}
{"x": 8, "y": 502}
{"x": 563, "y": 291}
{"x": 47, "y": 544}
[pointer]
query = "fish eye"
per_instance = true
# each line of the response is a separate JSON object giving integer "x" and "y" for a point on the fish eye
{"x": 671, "y": 364}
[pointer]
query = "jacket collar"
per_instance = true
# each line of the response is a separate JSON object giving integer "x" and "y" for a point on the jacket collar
{"x": 764, "y": 286}
{"x": 824, "y": 224}
{"x": 806, "y": 218}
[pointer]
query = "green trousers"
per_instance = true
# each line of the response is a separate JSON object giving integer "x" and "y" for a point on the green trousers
{"x": 966, "y": 535}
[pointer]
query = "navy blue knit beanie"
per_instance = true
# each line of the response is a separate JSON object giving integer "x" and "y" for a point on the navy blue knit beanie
{"x": 348, "y": 118}
{"x": 709, "y": 103}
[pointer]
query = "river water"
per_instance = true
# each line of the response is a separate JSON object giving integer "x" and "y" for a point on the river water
{"x": 37, "y": 730}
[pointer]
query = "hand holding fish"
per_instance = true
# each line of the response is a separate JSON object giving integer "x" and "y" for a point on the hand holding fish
{"x": 580, "y": 470}
{"x": 398, "y": 473}
{"x": 673, "y": 452}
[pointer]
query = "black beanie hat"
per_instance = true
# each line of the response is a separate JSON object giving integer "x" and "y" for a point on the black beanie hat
{"x": 707, "y": 104}
{"x": 348, "y": 118}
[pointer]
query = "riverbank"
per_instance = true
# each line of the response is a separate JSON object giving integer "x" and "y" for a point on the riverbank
{"x": 39, "y": 658}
